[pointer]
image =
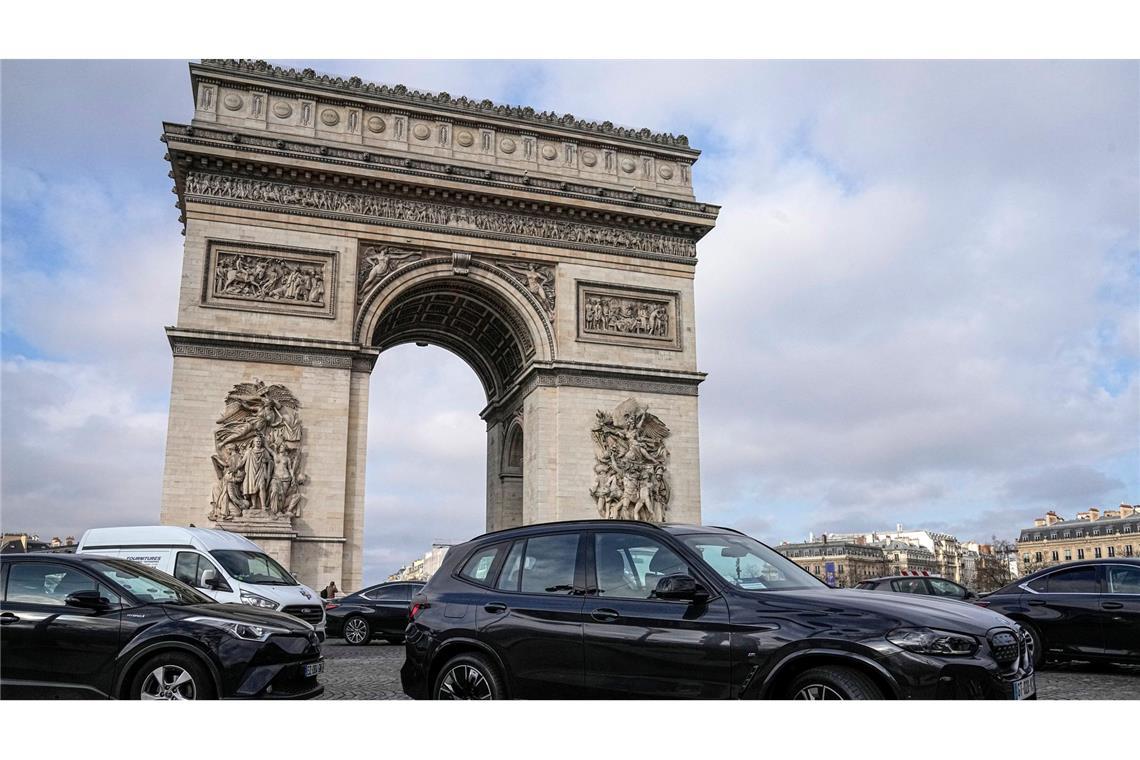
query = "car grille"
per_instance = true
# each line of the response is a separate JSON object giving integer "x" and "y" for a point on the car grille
{"x": 310, "y": 613}
{"x": 1005, "y": 647}
{"x": 1012, "y": 649}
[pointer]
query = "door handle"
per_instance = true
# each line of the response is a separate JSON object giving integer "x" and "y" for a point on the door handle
{"x": 1111, "y": 605}
{"x": 1036, "y": 602}
{"x": 7, "y": 618}
{"x": 604, "y": 615}
{"x": 495, "y": 607}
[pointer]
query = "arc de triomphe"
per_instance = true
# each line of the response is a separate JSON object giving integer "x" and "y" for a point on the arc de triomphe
{"x": 329, "y": 219}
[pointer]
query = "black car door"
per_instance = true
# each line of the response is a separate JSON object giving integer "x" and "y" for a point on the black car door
{"x": 388, "y": 607}
{"x": 1121, "y": 605}
{"x": 1065, "y": 607}
{"x": 52, "y": 648}
{"x": 643, "y": 647}
{"x": 532, "y": 615}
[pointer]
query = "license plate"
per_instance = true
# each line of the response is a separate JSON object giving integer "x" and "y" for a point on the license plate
{"x": 314, "y": 668}
{"x": 1025, "y": 688}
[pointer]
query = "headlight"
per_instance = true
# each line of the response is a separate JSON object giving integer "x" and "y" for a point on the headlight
{"x": 258, "y": 601}
{"x": 238, "y": 629}
{"x": 930, "y": 641}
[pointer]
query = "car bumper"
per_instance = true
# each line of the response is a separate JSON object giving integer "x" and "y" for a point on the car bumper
{"x": 923, "y": 677}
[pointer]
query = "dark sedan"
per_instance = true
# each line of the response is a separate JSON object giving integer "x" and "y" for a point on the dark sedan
{"x": 84, "y": 626}
{"x": 918, "y": 584}
{"x": 620, "y": 609}
{"x": 1077, "y": 611}
{"x": 379, "y": 611}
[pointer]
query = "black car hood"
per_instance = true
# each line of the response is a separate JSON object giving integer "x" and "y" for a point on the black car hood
{"x": 243, "y": 613}
{"x": 893, "y": 609}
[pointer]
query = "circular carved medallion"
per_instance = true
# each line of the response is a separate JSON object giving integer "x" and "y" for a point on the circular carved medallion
{"x": 628, "y": 165}
{"x": 465, "y": 139}
{"x": 330, "y": 117}
{"x": 589, "y": 157}
{"x": 507, "y": 145}
{"x": 666, "y": 171}
{"x": 549, "y": 152}
{"x": 282, "y": 110}
{"x": 376, "y": 124}
{"x": 421, "y": 132}
{"x": 232, "y": 102}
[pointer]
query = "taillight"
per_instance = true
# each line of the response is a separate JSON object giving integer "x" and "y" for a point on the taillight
{"x": 331, "y": 606}
{"x": 416, "y": 609}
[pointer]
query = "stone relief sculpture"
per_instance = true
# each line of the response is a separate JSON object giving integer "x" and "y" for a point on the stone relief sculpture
{"x": 539, "y": 281}
{"x": 631, "y": 470}
{"x": 267, "y": 278}
{"x": 560, "y": 231}
{"x": 626, "y": 316}
{"x": 258, "y": 455}
{"x": 376, "y": 261}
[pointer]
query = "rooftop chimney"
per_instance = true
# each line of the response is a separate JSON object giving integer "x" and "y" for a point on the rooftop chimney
{"x": 1127, "y": 511}
{"x": 1052, "y": 517}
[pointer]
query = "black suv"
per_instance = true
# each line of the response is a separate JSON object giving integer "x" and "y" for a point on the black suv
{"x": 608, "y": 608}
{"x": 82, "y": 626}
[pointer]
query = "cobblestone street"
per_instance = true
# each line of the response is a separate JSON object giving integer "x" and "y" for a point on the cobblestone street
{"x": 373, "y": 672}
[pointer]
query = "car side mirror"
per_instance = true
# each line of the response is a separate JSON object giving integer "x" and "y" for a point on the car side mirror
{"x": 87, "y": 600}
{"x": 680, "y": 587}
{"x": 970, "y": 595}
{"x": 211, "y": 581}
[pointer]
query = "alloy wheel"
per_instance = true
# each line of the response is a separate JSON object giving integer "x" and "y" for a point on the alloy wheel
{"x": 168, "y": 682}
{"x": 464, "y": 682}
{"x": 355, "y": 631}
{"x": 814, "y": 691}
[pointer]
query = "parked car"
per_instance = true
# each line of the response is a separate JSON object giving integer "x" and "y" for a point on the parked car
{"x": 1086, "y": 610}
{"x": 380, "y": 610}
{"x": 83, "y": 626}
{"x": 609, "y": 609}
{"x": 918, "y": 584}
{"x": 222, "y": 565}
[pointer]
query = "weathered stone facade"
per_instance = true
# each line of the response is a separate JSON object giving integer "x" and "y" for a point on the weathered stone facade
{"x": 327, "y": 220}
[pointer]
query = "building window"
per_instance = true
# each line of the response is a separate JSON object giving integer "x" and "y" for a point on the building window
{"x": 1096, "y": 532}
{"x": 1080, "y": 553}
{"x": 1055, "y": 556}
{"x": 1127, "y": 528}
{"x": 1025, "y": 558}
{"x": 1067, "y": 533}
{"x": 1037, "y": 557}
{"x": 1053, "y": 536}
{"x": 1112, "y": 551}
{"x": 1096, "y": 553}
{"x": 1128, "y": 550}
{"x": 1068, "y": 554}
{"x": 1080, "y": 533}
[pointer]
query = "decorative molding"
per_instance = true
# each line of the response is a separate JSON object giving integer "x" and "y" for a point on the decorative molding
{"x": 627, "y": 316}
{"x": 283, "y": 280}
{"x": 433, "y": 216}
{"x": 400, "y": 93}
{"x": 631, "y": 468}
{"x": 245, "y": 350}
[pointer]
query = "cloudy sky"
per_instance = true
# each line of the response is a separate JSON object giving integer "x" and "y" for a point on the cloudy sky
{"x": 920, "y": 305}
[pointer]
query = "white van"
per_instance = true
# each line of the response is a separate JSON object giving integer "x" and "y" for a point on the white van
{"x": 220, "y": 564}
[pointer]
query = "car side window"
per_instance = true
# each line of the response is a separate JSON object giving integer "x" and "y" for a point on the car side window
{"x": 549, "y": 563}
{"x": 511, "y": 573}
{"x": 478, "y": 566}
{"x": 629, "y": 565}
{"x": 1123, "y": 579}
{"x": 388, "y": 594}
{"x": 910, "y": 586}
{"x": 946, "y": 588}
{"x": 46, "y": 583}
{"x": 1077, "y": 580}
{"x": 1040, "y": 585}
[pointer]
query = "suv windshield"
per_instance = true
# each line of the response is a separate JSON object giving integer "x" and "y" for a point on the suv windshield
{"x": 748, "y": 564}
{"x": 253, "y": 567}
{"x": 148, "y": 585}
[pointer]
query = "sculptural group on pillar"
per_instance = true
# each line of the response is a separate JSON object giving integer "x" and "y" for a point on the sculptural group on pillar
{"x": 631, "y": 470}
{"x": 258, "y": 455}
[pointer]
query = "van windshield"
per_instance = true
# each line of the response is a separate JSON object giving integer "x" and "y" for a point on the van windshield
{"x": 253, "y": 567}
{"x": 748, "y": 564}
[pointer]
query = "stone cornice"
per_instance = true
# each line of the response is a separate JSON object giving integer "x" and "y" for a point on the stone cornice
{"x": 462, "y": 106}
{"x": 228, "y": 346}
{"x": 180, "y": 135}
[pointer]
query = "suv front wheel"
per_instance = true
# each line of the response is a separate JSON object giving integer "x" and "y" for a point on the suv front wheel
{"x": 836, "y": 683}
{"x": 172, "y": 676}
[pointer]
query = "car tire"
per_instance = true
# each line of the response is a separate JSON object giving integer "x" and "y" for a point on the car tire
{"x": 357, "y": 630}
{"x": 833, "y": 683}
{"x": 1038, "y": 645}
{"x": 468, "y": 676}
{"x": 173, "y": 676}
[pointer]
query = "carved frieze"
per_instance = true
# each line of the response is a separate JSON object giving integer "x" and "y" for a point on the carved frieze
{"x": 631, "y": 470}
{"x": 628, "y": 316}
{"x": 258, "y": 457}
{"x": 426, "y": 214}
{"x": 375, "y": 261}
{"x": 538, "y": 279}
{"x": 262, "y": 278}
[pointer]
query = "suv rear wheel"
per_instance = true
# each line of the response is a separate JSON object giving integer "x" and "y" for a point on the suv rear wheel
{"x": 357, "y": 631}
{"x": 468, "y": 676}
{"x": 833, "y": 683}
